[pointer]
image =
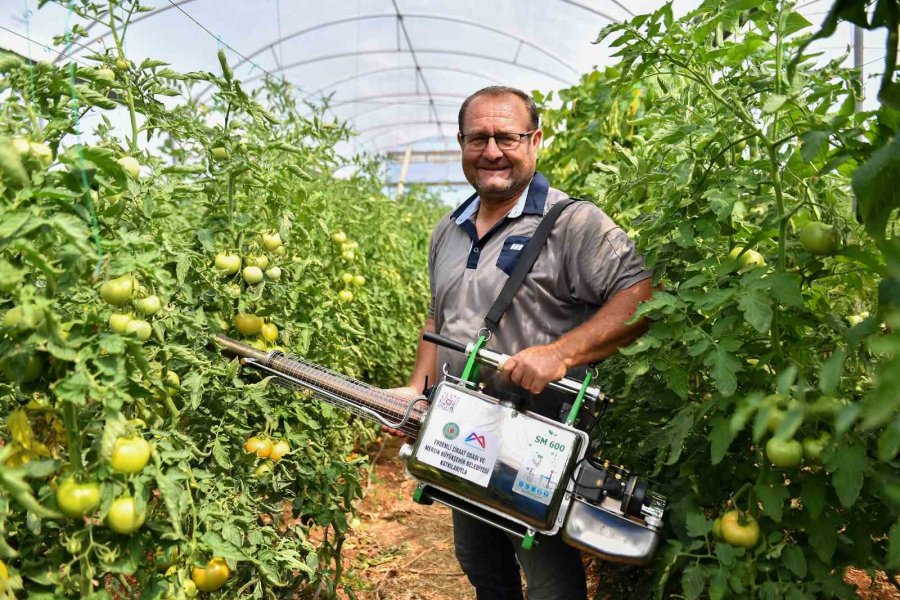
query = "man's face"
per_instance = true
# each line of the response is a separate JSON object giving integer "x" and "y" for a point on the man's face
{"x": 495, "y": 173}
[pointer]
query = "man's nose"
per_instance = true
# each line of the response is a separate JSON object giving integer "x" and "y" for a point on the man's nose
{"x": 492, "y": 150}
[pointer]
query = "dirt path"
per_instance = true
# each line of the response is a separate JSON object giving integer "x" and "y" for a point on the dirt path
{"x": 401, "y": 550}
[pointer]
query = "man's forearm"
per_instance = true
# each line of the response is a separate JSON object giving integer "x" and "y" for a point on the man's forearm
{"x": 604, "y": 333}
{"x": 426, "y": 361}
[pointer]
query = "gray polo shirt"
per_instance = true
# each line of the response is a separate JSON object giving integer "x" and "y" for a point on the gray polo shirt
{"x": 586, "y": 260}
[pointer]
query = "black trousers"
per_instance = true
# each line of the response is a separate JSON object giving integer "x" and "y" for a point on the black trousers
{"x": 490, "y": 558}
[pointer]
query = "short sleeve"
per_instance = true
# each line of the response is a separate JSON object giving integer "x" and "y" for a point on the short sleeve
{"x": 600, "y": 258}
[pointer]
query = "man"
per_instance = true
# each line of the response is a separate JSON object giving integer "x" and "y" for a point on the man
{"x": 570, "y": 312}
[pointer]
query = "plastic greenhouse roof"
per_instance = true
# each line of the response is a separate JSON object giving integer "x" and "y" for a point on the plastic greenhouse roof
{"x": 397, "y": 70}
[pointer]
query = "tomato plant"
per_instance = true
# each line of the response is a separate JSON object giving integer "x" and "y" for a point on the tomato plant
{"x": 121, "y": 254}
{"x": 703, "y": 147}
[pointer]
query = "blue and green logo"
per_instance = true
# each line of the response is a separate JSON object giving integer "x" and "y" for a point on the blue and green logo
{"x": 451, "y": 431}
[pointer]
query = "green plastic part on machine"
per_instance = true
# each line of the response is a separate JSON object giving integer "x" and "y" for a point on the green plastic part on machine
{"x": 579, "y": 400}
{"x": 417, "y": 495}
{"x": 471, "y": 370}
{"x": 528, "y": 541}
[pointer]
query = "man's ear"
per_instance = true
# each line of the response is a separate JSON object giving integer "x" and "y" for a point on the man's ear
{"x": 537, "y": 137}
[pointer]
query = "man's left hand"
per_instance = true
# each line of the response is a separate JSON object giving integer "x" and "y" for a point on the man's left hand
{"x": 533, "y": 368}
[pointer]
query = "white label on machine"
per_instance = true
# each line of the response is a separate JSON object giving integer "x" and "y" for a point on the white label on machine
{"x": 461, "y": 437}
{"x": 544, "y": 457}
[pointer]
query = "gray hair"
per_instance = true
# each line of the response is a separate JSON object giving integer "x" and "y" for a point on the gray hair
{"x": 502, "y": 90}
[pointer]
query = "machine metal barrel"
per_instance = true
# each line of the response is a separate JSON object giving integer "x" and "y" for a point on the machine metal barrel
{"x": 345, "y": 392}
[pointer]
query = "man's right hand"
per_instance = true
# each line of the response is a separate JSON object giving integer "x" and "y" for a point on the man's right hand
{"x": 407, "y": 394}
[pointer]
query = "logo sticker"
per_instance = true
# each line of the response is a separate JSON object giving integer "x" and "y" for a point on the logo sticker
{"x": 476, "y": 440}
{"x": 451, "y": 431}
{"x": 447, "y": 403}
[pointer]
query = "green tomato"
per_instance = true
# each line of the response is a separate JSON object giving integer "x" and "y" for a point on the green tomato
{"x": 717, "y": 528}
{"x": 248, "y": 324}
{"x": 211, "y": 577}
{"x": 271, "y": 242}
{"x": 819, "y": 238}
{"x": 347, "y": 278}
{"x": 77, "y": 499}
{"x": 747, "y": 260}
{"x": 359, "y": 280}
{"x": 269, "y": 332}
{"x": 784, "y": 454}
{"x": 189, "y": 588}
{"x": 339, "y": 237}
{"x": 261, "y": 261}
{"x": 131, "y": 166}
{"x": 219, "y": 152}
{"x": 118, "y": 291}
{"x": 123, "y": 516}
{"x": 148, "y": 306}
{"x": 140, "y": 329}
{"x": 252, "y": 275}
{"x": 118, "y": 322}
{"x": 263, "y": 469}
{"x": 739, "y": 530}
{"x": 228, "y": 264}
{"x": 42, "y": 153}
{"x": 813, "y": 448}
{"x": 107, "y": 75}
{"x": 22, "y": 147}
{"x": 273, "y": 273}
{"x": 122, "y": 64}
{"x": 345, "y": 296}
{"x": 130, "y": 455}
{"x": 348, "y": 255}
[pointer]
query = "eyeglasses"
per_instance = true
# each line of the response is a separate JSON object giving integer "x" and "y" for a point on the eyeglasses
{"x": 505, "y": 141}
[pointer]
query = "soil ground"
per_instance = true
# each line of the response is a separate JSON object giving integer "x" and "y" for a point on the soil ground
{"x": 400, "y": 550}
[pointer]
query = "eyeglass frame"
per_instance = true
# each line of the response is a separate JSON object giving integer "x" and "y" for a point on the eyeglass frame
{"x": 461, "y": 137}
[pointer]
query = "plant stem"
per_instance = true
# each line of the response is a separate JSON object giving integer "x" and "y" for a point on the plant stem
{"x": 73, "y": 435}
{"x": 129, "y": 98}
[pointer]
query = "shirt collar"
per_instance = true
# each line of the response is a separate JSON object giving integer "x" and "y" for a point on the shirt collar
{"x": 531, "y": 202}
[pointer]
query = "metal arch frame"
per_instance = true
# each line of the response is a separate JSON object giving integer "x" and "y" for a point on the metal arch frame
{"x": 281, "y": 40}
{"x": 420, "y": 51}
{"x": 177, "y": 3}
{"x": 404, "y": 68}
{"x": 365, "y": 99}
{"x": 383, "y": 105}
{"x": 402, "y": 124}
{"x": 394, "y": 16}
{"x": 434, "y": 138}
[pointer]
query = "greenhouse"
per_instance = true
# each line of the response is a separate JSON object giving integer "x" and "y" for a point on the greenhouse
{"x": 431, "y": 300}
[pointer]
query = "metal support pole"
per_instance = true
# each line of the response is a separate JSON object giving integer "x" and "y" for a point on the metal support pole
{"x": 404, "y": 169}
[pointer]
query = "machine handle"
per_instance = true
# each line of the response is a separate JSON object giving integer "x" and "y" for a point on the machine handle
{"x": 496, "y": 360}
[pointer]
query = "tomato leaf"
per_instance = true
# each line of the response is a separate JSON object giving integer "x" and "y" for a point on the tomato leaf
{"x": 697, "y": 524}
{"x": 812, "y": 490}
{"x": 848, "y": 467}
{"x": 794, "y": 560}
{"x": 757, "y": 310}
{"x": 772, "y": 497}
{"x": 893, "y": 556}
{"x": 693, "y": 581}
{"x": 723, "y": 367}
{"x": 726, "y": 554}
{"x": 830, "y": 374}
{"x": 221, "y": 547}
{"x": 720, "y": 438}
{"x": 876, "y": 184}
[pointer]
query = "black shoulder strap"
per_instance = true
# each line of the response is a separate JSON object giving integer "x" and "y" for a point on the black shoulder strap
{"x": 523, "y": 266}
